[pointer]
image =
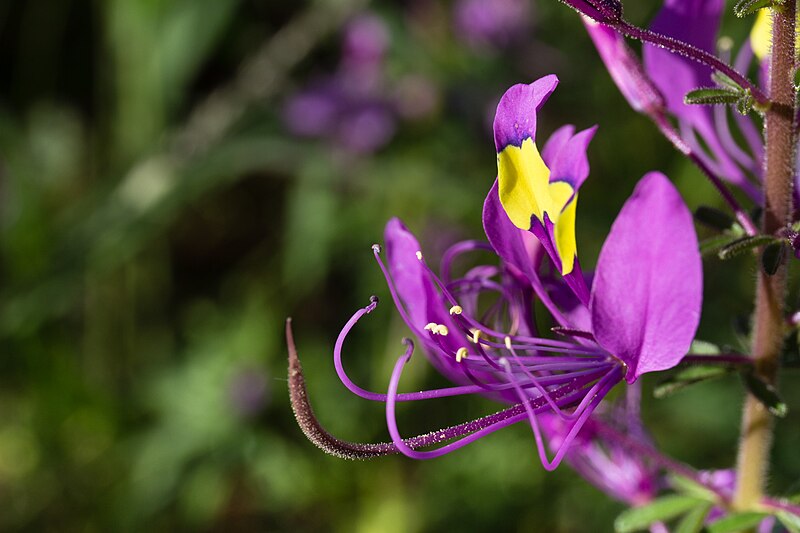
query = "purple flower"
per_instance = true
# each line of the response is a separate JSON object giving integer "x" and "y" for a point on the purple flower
{"x": 349, "y": 108}
{"x": 359, "y": 123}
{"x": 539, "y": 193}
{"x": 640, "y": 317}
{"x": 248, "y": 391}
{"x": 366, "y": 39}
{"x": 697, "y": 22}
{"x": 496, "y": 24}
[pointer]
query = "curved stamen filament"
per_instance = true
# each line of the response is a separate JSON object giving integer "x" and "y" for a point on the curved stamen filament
{"x": 458, "y": 249}
{"x": 317, "y": 434}
{"x": 568, "y": 395}
{"x": 595, "y": 396}
{"x": 533, "y": 379}
{"x": 434, "y": 393}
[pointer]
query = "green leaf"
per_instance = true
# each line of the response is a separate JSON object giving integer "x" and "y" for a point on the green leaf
{"x": 765, "y": 393}
{"x": 694, "y": 520}
{"x": 689, "y": 487}
{"x": 745, "y": 244}
{"x": 712, "y": 245}
{"x": 699, "y": 347}
{"x": 712, "y": 95}
{"x": 789, "y": 520}
{"x": 723, "y": 79}
{"x": 745, "y": 103}
{"x": 773, "y": 257}
{"x": 689, "y": 376}
{"x": 714, "y": 218}
{"x": 734, "y": 523}
{"x": 662, "y": 509}
{"x": 744, "y": 8}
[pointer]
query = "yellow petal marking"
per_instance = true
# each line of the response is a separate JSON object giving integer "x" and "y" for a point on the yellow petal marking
{"x": 761, "y": 35}
{"x": 565, "y": 229}
{"x": 524, "y": 181}
{"x": 525, "y": 190}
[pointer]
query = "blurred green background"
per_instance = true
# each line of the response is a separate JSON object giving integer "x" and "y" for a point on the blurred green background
{"x": 163, "y": 210}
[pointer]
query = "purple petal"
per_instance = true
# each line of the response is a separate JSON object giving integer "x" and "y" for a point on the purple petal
{"x": 566, "y": 157}
{"x": 516, "y": 247}
{"x": 423, "y": 303}
{"x": 695, "y": 22}
{"x": 625, "y": 68}
{"x": 647, "y": 290}
{"x": 515, "y": 119}
{"x": 522, "y": 250}
{"x": 413, "y": 285}
{"x": 558, "y": 139}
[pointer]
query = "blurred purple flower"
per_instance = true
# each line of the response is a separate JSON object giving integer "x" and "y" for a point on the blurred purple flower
{"x": 366, "y": 39}
{"x": 349, "y": 108}
{"x": 248, "y": 391}
{"x": 495, "y": 24}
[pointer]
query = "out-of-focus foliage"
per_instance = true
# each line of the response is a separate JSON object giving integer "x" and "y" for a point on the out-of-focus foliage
{"x": 159, "y": 220}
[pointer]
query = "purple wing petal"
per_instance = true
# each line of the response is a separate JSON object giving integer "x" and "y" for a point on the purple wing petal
{"x": 558, "y": 139}
{"x": 515, "y": 119}
{"x": 647, "y": 290}
{"x": 567, "y": 161}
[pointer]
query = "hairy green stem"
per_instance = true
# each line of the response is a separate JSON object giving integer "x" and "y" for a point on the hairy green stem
{"x": 756, "y": 431}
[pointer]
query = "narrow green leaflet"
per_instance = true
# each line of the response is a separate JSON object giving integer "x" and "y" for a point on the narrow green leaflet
{"x": 789, "y": 520}
{"x": 765, "y": 393}
{"x": 744, "y": 8}
{"x": 712, "y": 245}
{"x": 693, "y": 521}
{"x": 722, "y": 79}
{"x": 689, "y": 376}
{"x": 691, "y": 488}
{"x": 735, "y": 523}
{"x": 712, "y": 95}
{"x": 662, "y": 509}
{"x": 745, "y": 244}
{"x": 700, "y": 347}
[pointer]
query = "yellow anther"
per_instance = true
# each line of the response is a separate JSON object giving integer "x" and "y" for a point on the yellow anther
{"x": 437, "y": 329}
{"x": 461, "y": 354}
{"x": 419, "y": 255}
{"x": 507, "y": 341}
{"x": 476, "y": 335}
{"x": 456, "y": 310}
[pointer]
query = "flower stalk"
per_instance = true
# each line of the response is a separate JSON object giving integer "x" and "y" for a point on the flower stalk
{"x": 756, "y": 432}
